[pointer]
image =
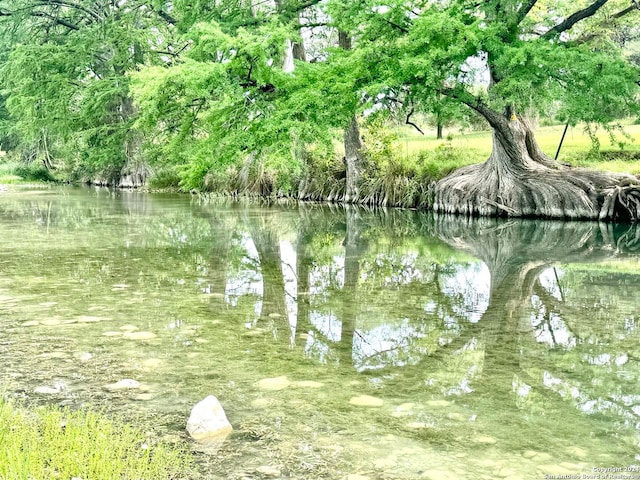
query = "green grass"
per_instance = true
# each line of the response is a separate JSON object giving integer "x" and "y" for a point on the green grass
{"x": 49, "y": 443}
{"x": 14, "y": 172}
{"x": 575, "y": 149}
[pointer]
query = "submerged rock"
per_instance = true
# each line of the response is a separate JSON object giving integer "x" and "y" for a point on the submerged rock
{"x": 44, "y": 390}
{"x": 124, "y": 384}
{"x": 260, "y": 402}
{"x": 84, "y": 356}
{"x": 439, "y": 475}
{"x": 276, "y": 383}
{"x": 51, "y": 322}
{"x": 366, "y": 401}
{"x": 268, "y": 471}
{"x": 404, "y": 410}
{"x": 208, "y": 420}
{"x": 139, "y": 335}
{"x": 111, "y": 333}
{"x": 484, "y": 439}
{"x": 151, "y": 363}
{"x": 308, "y": 384}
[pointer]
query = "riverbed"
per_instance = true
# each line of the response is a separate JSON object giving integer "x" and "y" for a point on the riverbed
{"x": 343, "y": 343}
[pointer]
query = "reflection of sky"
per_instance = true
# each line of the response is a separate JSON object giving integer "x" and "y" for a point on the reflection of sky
{"x": 472, "y": 284}
{"x": 248, "y": 280}
{"x": 550, "y": 283}
{"x": 387, "y": 344}
{"x": 289, "y": 268}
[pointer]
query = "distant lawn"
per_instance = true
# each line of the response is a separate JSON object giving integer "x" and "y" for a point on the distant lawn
{"x": 574, "y": 150}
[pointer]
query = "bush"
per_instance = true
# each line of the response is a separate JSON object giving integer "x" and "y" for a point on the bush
{"x": 34, "y": 173}
{"x": 15, "y": 171}
{"x": 165, "y": 178}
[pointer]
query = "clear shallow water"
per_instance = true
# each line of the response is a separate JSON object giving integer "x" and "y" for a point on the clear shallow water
{"x": 402, "y": 346}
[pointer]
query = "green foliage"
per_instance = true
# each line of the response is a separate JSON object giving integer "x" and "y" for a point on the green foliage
{"x": 13, "y": 172}
{"x": 50, "y": 443}
{"x": 64, "y": 81}
{"x": 165, "y": 178}
{"x": 197, "y": 90}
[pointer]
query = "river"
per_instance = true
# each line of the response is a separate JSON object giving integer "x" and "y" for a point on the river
{"x": 343, "y": 343}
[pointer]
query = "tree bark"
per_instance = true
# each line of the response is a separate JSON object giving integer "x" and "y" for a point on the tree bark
{"x": 519, "y": 180}
{"x": 439, "y": 130}
{"x": 352, "y": 144}
{"x": 353, "y": 161}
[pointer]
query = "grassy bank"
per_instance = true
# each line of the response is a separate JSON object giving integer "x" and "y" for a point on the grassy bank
{"x": 576, "y": 148}
{"x": 399, "y": 167}
{"x": 48, "y": 443}
{"x": 13, "y": 172}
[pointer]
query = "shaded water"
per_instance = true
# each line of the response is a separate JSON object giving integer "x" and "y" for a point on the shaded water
{"x": 340, "y": 342}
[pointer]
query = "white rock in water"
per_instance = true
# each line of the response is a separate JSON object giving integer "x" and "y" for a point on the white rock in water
{"x": 208, "y": 420}
{"x": 47, "y": 390}
{"x": 123, "y": 385}
{"x": 268, "y": 471}
{"x": 84, "y": 356}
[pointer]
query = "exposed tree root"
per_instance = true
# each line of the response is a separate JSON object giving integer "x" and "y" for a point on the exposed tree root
{"x": 518, "y": 180}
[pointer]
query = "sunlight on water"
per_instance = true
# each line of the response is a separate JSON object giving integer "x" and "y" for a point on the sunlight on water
{"x": 342, "y": 344}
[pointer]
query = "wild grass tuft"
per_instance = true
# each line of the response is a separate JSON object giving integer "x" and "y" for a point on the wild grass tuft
{"x": 49, "y": 443}
{"x": 16, "y": 172}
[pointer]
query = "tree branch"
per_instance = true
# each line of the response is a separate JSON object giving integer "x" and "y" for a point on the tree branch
{"x": 495, "y": 119}
{"x": 64, "y": 3}
{"x": 635, "y": 6}
{"x": 163, "y": 15}
{"x": 524, "y": 10}
{"x": 575, "y": 18}
{"x": 408, "y": 122}
{"x": 56, "y": 20}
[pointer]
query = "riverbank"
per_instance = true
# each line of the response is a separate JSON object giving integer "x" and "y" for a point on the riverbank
{"x": 48, "y": 442}
{"x": 398, "y": 170}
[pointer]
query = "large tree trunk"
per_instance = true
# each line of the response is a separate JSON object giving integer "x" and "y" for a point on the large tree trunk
{"x": 519, "y": 180}
{"x": 352, "y": 144}
{"x": 353, "y": 161}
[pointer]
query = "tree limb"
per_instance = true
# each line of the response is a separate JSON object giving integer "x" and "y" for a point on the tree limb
{"x": 408, "y": 122}
{"x": 524, "y": 10}
{"x": 574, "y": 18}
{"x": 64, "y": 3}
{"x": 635, "y": 6}
{"x": 56, "y": 20}
{"x": 163, "y": 15}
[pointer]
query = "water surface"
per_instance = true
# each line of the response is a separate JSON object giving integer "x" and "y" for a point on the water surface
{"x": 341, "y": 342}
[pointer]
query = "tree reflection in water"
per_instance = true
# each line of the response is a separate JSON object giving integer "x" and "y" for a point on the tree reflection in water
{"x": 384, "y": 291}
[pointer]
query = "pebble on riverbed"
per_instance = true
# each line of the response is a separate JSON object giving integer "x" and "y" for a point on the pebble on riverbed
{"x": 268, "y": 471}
{"x": 139, "y": 335}
{"x": 44, "y": 390}
{"x": 366, "y": 401}
{"x": 125, "y": 384}
{"x": 276, "y": 383}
